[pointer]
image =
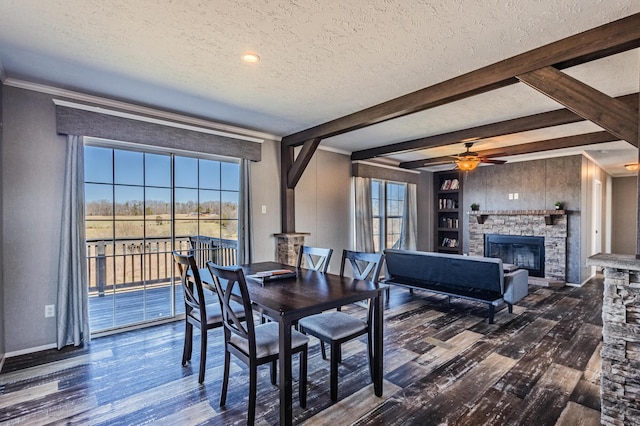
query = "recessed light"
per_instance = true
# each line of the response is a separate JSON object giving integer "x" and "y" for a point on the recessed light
{"x": 251, "y": 58}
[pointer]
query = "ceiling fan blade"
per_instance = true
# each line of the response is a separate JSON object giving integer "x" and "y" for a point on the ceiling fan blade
{"x": 490, "y": 161}
{"x": 495, "y": 154}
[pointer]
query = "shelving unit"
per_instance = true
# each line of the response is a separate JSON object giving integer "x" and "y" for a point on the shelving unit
{"x": 448, "y": 206}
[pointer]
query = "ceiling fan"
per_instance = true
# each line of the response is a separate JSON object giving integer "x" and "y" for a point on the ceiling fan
{"x": 469, "y": 160}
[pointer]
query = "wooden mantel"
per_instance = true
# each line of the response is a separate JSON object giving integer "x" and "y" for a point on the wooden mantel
{"x": 549, "y": 215}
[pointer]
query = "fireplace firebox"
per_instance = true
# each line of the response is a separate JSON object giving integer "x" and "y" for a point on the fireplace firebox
{"x": 525, "y": 252}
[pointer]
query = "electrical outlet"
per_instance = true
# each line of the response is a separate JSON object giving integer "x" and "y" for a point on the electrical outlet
{"x": 49, "y": 311}
{"x": 515, "y": 195}
{"x": 511, "y": 195}
{"x": 264, "y": 209}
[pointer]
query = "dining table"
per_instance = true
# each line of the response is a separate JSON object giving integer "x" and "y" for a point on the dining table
{"x": 308, "y": 292}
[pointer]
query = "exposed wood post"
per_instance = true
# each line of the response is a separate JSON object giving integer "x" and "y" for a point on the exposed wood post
{"x": 287, "y": 195}
{"x": 638, "y": 177}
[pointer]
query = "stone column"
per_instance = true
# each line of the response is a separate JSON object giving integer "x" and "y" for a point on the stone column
{"x": 288, "y": 246}
{"x": 620, "y": 382}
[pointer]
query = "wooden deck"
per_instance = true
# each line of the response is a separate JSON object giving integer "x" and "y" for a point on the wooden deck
{"x": 133, "y": 306}
{"x": 443, "y": 365}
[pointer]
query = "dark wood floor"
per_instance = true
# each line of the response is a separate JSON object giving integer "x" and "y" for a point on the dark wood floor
{"x": 444, "y": 365}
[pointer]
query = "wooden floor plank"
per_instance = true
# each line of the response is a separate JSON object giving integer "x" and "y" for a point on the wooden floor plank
{"x": 443, "y": 363}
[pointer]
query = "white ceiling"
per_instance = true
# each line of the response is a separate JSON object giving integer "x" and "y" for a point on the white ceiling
{"x": 319, "y": 61}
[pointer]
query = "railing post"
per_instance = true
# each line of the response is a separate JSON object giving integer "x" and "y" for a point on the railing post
{"x": 101, "y": 265}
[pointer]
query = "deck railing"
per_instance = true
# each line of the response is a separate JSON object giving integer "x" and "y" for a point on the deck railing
{"x": 124, "y": 264}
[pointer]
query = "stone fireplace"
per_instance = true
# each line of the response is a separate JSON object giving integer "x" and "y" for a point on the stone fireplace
{"x": 549, "y": 224}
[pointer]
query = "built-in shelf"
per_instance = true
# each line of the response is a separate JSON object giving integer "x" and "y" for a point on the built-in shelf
{"x": 549, "y": 215}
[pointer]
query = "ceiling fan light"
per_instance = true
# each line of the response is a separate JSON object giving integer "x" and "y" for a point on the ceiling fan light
{"x": 632, "y": 167}
{"x": 467, "y": 164}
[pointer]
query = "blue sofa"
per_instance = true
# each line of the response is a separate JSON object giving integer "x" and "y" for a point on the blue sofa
{"x": 481, "y": 279}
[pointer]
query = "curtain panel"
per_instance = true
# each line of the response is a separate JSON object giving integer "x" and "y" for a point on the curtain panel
{"x": 73, "y": 291}
{"x": 363, "y": 215}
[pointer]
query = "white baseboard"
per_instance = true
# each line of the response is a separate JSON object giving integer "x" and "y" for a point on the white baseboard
{"x": 30, "y": 350}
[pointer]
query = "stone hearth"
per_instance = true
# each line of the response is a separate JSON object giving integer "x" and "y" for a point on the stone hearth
{"x": 550, "y": 224}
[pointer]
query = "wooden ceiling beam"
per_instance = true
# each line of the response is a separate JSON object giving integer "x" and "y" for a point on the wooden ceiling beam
{"x": 589, "y": 103}
{"x": 525, "y": 148}
{"x": 614, "y": 37}
{"x": 301, "y": 162}
{"x": 502, "y": 128}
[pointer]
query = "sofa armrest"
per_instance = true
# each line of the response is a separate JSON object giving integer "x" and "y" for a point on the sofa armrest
{"x": 516, "y": 285}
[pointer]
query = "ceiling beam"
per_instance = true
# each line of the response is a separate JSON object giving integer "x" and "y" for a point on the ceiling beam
{"x": 615, "y": 37}
{"x": 525, "y": 148}
{"x": 501, "y": 128}
{"x": 301, "y": 162}
{"x": 589, "y": 103}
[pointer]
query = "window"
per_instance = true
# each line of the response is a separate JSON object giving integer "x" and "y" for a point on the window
{"x": 387, "y": 200}
{"x": 139, "y": 207}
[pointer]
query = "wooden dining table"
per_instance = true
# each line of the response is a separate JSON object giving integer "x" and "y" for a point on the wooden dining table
{"x": 309, "y": 292}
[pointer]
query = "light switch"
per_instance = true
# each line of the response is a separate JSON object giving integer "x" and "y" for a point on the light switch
{"x": 511, "y": 196}
{"x": 515, "y": 196}
{"x": 264, "y": 209}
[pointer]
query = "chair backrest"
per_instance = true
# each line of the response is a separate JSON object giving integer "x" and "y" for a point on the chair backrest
{"x": 316, "y": 258}
{"x": 365, "y": 266}
{"x": 191, "y": 285}
{"x": 225, "y": 278}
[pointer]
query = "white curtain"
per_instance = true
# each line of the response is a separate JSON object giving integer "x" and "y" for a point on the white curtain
{"x": 73, "y": 291}
{"x": 245, "y": 226}
{"x": 409, "y": 219}
{"x": 364, "y": 215}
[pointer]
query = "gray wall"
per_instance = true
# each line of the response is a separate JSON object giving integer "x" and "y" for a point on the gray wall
{"x": 32, "y": 179}
{"x": 426, "y": 201}
{"x": 2, "y": 318}
{"x": 623, "y": 221}
{"x": 323, "y": 204}
{"x": 539, "y": 185}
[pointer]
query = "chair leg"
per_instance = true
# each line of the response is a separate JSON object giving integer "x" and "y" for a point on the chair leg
{"x": 370, "y": 351}
{"x": 253, "y": 389}
{"x": 274, "y": 371}
{"x": 203, "y": 354}
{"x": 188, "y": 343}
{"x": 225, "y": 378}
{"x": 333, "y": 375}
{"x": 510, "y": 306}
{"x": 302, "y": 390}
{"x": 324, "y": 351}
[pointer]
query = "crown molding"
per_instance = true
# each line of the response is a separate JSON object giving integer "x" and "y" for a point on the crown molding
{"x": 386, "y": 166}
{"x": 140, "y": 111}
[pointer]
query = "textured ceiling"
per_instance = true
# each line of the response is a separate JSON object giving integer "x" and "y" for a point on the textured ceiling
{"x": 319, "y": 60}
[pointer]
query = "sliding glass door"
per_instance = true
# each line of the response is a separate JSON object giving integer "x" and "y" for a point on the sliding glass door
{"x": 140, "y": 206}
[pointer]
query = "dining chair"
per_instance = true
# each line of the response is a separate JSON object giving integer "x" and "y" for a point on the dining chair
{"x": 252, "y": 344}
{"x": 337, "y": 327}
{"x": 198, "y": 312}
{"x": 316, "y": 258}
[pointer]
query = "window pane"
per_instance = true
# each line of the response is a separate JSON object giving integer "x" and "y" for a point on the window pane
{"x": 157, "y": 170}
{"x": 229, "y": 208}
{"x": 157, "y": 202}
{"x": 210, "y": 203}
{"x": 186, "y": 227}
{"x": 99, "y": 229}
{"x": 98, "y": 164}
{"x": 210, "y": 228}
{"x": 186, "y": 172}
{"x": 209, "y": 174}
{"x": 98, "y": 200}
{"x": 230, "y": 176}
{"x": 130, "y": 229}
{"x": 229, "y": 229}
{"x": 186, "y": 203}
{"x": 128, "y": 200}
{"x": 128, "y": 167}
